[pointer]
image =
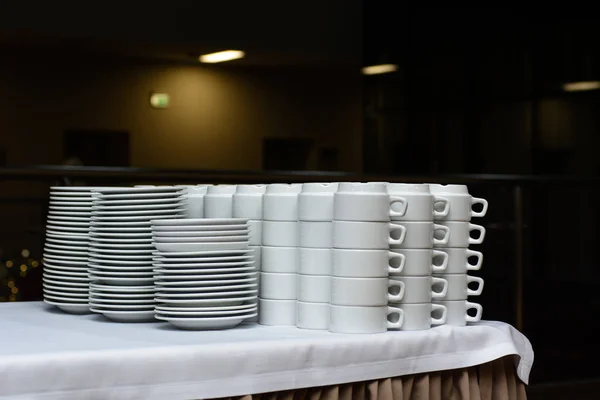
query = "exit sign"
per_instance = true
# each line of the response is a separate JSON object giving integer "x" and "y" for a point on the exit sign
{"x": 159, "y": 100}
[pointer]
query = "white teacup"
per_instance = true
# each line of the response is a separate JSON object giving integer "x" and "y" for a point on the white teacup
{"x": 314, "y": 261}
{"x": 422, "y": 235}
{"x": 370, "y": 202}
{"x": 457, "y": 314}
{"x": 460, "y": 234}
{"x": 314, "y": 288}
{"x": 367, "y": 235}
{"x": 422, "y": 289}
{"x": 458, "y": 260}
{"x": 247, "y": 201}
{"x": 312, "y": 315}
{"x": 280, "y": 259}
{"x": 422, "y": 262}
{"x": 280, "y": 233}
{"x": 276, "y": 286}
{"x": 218, "y": 201}
{"x": 422, "y": 205}
{"x": 461, "y": 202}
{"x": 458, "y": 286}
{"x": 315, "y": 201}
{"x": 353, "y": 319}
{"x": 277, "y": 312}
{"x": 418, "y": 317}
{"x": 365, "y": 291}
{"x": 366, "y": 263}
{"x": 316, "y": 234}
{"x": 280, "y": 202}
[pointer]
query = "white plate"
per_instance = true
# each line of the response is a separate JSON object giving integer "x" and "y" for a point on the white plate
{"x": 201, "y": 221}
{"x": 183, "y": 313}
{"x": 70, "y": 195}
{"x": 66, "y": 300}
{"x": 72, "y": 289}
{"x": 206, "y": 323}
{"x": 150, "y": 213}
{"x": 210, "y": 239}
{"x": 143, "y": 229}
{"x": 103, "y": 191}
{"x": 129, "y": 270}
{"x": 66, "y": 259}
{"x": 70, "y": 208}
{"x": 183, "y": 260}
{"x": 232, "y": 301}
{"x": 63, "y": 236}
{"x": 62, "y": 252}
{"x": 102, "y": 206}
{"x": 202, "y": 265}
{"x": 71, "y": 308}
{"x": 202, "y": 271}
{"x": 117, "y": 252}
{"x": 139, "y": 196}
{"x": 70, "y": 189}
{"x": 207, "y": 295}
{"x": 67, "y": 228}
{"x": 198, "y": 228}
{"x": 94, "y": 239}
{"x": 208, "y": 277}
{"x": 120, "y": 256}
{"x": 125, "y": 235}
{"x": 52, "y": 245}
{"x": 119, "y": 273}
{"x": 84, "y": 202}
{"x": 65, "y": 283}
{"x": 121, "y": 289}
{"x": 126, "y": 302}
{"x": 127, "y": 316}
{"x": 188, "y": 247}
{"x": 65, "y": 280}
{"x": 111, "y": 225}
{"x": 185, "y": 285}
{"x": 201, "y": 254}
{"x": 129, "y": 307}
{"x": 71, "y": 272}
{"x": 145, "y": 202}
{"x": 123, "y": 263}
{"x": 204, "y": 309}
{"x": 120, "y": 281}
{"x": 115, "y": 295}
{"x": 146, "y": 247}
{"x": 104, "y": 220}
{"x": 201, "y": 234}
{"x": 62, "y": 293}
{"x": 204, "y": 289}
{"x": 68, "y": 265}
{"x": 67, "y": 224}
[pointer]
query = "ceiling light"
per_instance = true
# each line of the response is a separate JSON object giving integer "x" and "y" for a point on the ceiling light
{"x": 581, "y": 86}
{"x": 221, "y": 56}
{"x": 379, "y": 69}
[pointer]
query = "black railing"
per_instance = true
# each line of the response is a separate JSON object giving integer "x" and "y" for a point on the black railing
{"x": 540, "y": 262}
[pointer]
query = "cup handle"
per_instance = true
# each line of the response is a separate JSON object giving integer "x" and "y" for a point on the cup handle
{"x": 403, "y": 203}
{"x": 442, "y": 267}
{"x": 477, "y": 316}
{"x": 446, "y": 231}
{"x": 402, "y": 230}
{"x": 477, "y": 265}
{"x": 481, "y": 229}
{"x": 399, "y": 268}
{"x": 442, "y": 294}
{"x": 479, "y": 290}
{"x": 400, "y": 295}
{"x": 483, "y": 202}
{"x": 442, "y": 319}
{"x": 444, "y": 212}
{"x": 398, "y": 324}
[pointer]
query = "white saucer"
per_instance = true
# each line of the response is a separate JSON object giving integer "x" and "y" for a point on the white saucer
{"x": 125, "y": 235}
{"x": 206, "y": 289}
{"x": 202, "y": 254}
{"x": 207, "y": 295}
{"x": 200, "y": 239}
{"x": 232, "y": 301}
{"x": 240, "y": 307}
{"x": 202, "y": 271}
{"x": 120, "y": 281}
{"x": 183, "y": 313}
{"x": 124, "y": 296}
{"x": 198, "y": 228}
{"x": 121, "y": 219}
{"x": 226, "y": 276}
{"x": 71, "y": 289}
{"x": 202, "y": 221}
{"x": 184, "y": 260}
{"x": 121, "y": 289}
{"x": 120, "y": 255}
{"x": 201, "y": 234}
{"x": 108, "y": 261}
{"x": 185, "y": 285}
{"x": 143, "y": 241}
{"x": 126, "y": 316}
{"x": 149, "y": 213}
{"x": 188, "y": 247}
{"x": 129, "y": 307}
{"x": 71, "y": 308}
{"x": 206, "y": 323}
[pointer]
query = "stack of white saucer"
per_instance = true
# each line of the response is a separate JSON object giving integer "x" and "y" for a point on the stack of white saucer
{"x": 120, "y": 262}
{"x": 205, "y": 277}
{"x": 66, "y": 284}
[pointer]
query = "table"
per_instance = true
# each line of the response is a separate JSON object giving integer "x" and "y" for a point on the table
{"x": 51, "y": 355}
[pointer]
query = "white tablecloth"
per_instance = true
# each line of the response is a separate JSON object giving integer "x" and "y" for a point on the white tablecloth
{"x": 51, "y": 355}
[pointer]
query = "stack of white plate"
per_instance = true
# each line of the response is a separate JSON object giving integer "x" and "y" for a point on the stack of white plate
{"x": 120, "y": 260}
{"x": 205, "y": 274}
{"x": 66, "y": 283}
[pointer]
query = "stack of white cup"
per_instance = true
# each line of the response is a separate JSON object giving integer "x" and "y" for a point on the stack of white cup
{"x": 457, "y": 221}
{"x": 278, "y": 277}
{"x": 418, "y": 258}
{"x": 218, "y": 201}
{"x": 315, "y": 215}
{"x": 194, "y": 200}
{"x": 248, "y": 204}
{"x": 362, "y": 235}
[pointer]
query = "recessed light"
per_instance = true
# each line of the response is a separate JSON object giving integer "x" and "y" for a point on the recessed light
{"x": 379, "y": 69}
{"x": 221, "y": 56}
{"x": 581, "y": 86}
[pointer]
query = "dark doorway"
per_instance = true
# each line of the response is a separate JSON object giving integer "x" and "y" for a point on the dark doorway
{"x": 96, "y": 147}
{"x": 286, "y": 154}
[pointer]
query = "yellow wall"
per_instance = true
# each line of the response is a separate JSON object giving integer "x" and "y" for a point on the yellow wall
{"x": 217, "y": 119}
